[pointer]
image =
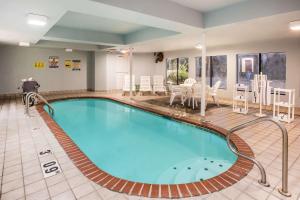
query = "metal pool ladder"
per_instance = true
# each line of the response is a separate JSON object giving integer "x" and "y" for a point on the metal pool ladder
{"x": 263, "y": 180}
{"x": 34, "y": 94}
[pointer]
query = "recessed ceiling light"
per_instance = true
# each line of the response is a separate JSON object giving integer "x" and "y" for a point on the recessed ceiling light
{"x": 124, "y": 51}
{"x": 198, "y": 46}
{"x": 295, "y": 25}
{"x": 37, "y": 20}
{"x": 68, "y": 50}
{"x": 24, "y": 44}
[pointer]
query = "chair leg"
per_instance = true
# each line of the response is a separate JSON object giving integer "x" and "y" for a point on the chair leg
{"x": 218, "y": 102}
{"x": 171, "y": 99}
{"x": 213, "y": 97}
{"x": 194, "y": 103}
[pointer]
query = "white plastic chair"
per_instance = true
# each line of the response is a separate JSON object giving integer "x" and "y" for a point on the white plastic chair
{"x": 145, "y": 84}
{"x": 190, "y": 81}
{"x": 196, "y": 94}
{"x": 213, "y": 92}
{"x": 187, "y": 90}
{"x": 176, "y": 91}
{"x": 126, "y": 84}
{"x": 158, "y": 84}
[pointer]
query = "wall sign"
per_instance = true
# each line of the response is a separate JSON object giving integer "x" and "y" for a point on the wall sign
{"x": 68, "y": 64}
{"x": 76, "y": 65}
{"x": 53, "y": 61}
{"x": 39, "y": 64}
{"x": 247, "y": 65}
{"x": 50, "y": 168}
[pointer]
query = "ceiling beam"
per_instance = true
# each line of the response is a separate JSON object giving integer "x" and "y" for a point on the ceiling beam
{"x": 147, "y": 34}
{"x": 58, "y": 33}
{"x": 162, "y": 9}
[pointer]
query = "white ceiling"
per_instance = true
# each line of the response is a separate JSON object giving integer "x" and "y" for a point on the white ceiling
{"x": 89, "y": 22}
{"x": 206, "y": 5}
{"x": 263, "y": 29}
{"x": 92, "y": 15}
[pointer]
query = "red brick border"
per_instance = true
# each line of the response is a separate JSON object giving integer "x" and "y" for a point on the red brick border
{"x": 237, "y": 171}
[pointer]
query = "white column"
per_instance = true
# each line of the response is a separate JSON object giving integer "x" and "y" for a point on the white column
{"x": 130, "y": 71}
{"x": 203, "y": 76}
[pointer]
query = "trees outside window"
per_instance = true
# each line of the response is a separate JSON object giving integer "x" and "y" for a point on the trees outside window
{"x": 177, "y": 70}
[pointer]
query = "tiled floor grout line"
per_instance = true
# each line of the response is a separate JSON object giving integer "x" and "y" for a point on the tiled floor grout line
{"x": 3, "y": 148}
{"x": 20, "y": 151}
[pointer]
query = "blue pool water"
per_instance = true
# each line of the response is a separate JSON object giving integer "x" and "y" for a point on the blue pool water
{"x": 140, "y": 146}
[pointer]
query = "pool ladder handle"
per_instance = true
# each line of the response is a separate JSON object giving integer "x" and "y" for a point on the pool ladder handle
{"x": 34, "y": 94}
{"x": 263, "y": 180}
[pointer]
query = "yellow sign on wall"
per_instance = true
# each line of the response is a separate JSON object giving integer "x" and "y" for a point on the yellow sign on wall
{"x": 68, "y": 63}
{"x": 39, "y": 64}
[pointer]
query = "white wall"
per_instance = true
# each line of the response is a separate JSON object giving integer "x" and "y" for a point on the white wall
{"x": 100, "y": 71}
{"x": 18, "y": 63}
{"x": 290, "y": 47}
{"x": 111, "y": 68}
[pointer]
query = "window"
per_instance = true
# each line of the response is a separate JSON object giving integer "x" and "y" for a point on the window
{"x": 216, "y": 70}
{"x": 271, "y": 64}
{"x": 177, "y": 70}
{"x": 274, "y": 66}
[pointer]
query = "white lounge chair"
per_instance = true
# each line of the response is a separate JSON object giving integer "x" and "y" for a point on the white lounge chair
{"x": 126, "y": 84}
{"x": 158, "y": 84}
{"x": 145, "y": 84}
{"x": 213, "y": 92}
{"x": 176, "y": 91}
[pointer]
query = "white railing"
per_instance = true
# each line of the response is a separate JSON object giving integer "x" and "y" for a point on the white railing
{"x": 263, "y": 181}
{"x": 35, "y": 95}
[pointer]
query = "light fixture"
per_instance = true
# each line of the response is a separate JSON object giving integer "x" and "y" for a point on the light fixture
{"x": 124, "y": 51}
{"x": 198, "y": 46}
{"x": 295, "y": 25}
{"x": 37, "y": 20}
{"x": 68, "y": 50}
{"x": 24, "y": 44}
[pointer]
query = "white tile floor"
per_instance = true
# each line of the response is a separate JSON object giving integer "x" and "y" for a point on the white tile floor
{"x": 23, "y": 137}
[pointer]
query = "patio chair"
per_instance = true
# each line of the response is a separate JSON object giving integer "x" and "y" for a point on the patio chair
{"x": 145, "y": 84}
{"x": 190, "y": 81}
{"x": 176, "y": 91}
{"x": 158, "y": 84}
{"x": 196, "y": 94}
{"x": 213, "y": 92}
{"x": 126, "y": 84}
{"x": 186, "y": 89}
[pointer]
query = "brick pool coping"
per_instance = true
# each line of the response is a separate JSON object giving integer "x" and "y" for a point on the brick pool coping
{"x": 235, "y": 173}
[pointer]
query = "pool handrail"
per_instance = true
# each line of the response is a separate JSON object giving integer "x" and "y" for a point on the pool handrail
{"x": 263, "y": 180}
{"x": 31, "y": 94}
